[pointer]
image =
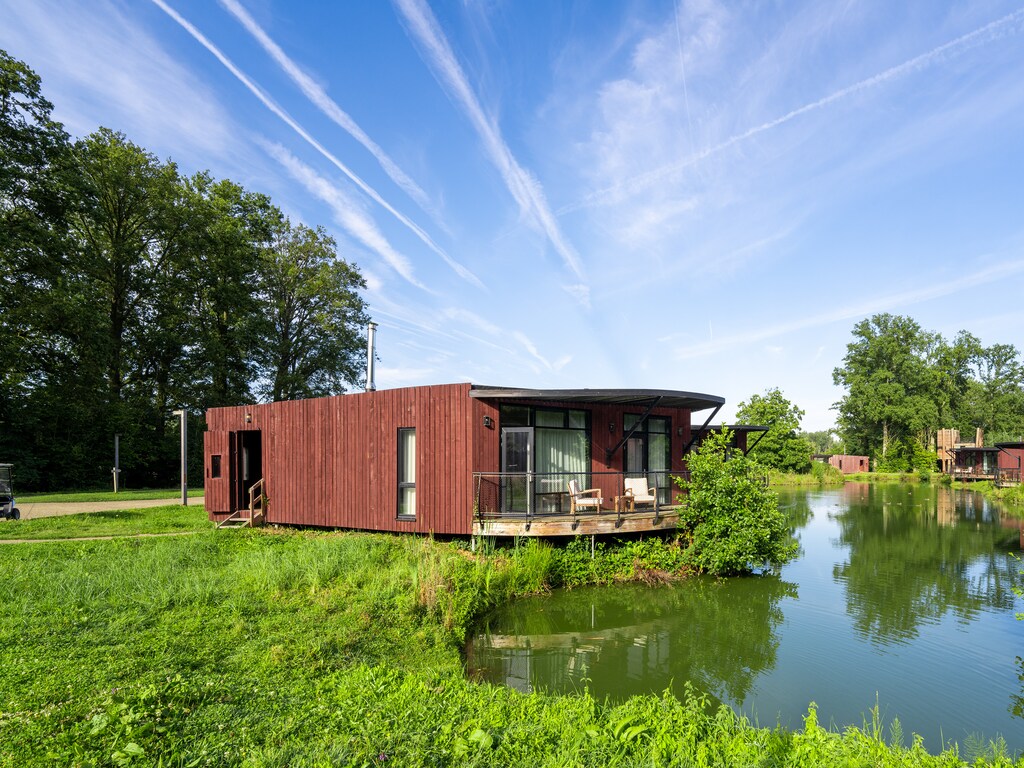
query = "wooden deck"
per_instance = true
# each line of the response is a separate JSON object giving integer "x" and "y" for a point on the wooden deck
{"x": 641, "y": 521}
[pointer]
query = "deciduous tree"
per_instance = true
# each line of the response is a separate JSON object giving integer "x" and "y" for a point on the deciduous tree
{"x": 781, "y": 447}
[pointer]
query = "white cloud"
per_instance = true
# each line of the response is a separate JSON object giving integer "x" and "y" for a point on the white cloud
{"x": 636, "y": 99}
{"x": 96, "y": 61}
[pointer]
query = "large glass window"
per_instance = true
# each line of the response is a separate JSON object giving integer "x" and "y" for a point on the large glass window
{"x": 407, "y": 473}
{"x": 648, "y": 452}
{"x": 561, "y": 451}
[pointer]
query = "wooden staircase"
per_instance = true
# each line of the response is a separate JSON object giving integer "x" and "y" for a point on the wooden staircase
{"x": 256, "y": 514}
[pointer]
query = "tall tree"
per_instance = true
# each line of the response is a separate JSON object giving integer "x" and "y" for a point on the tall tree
{"x": 781, "y": 448}
{"x": 313, "y": 346}
{"x": 891, "y": 389}
{"x": 234, "y": 229}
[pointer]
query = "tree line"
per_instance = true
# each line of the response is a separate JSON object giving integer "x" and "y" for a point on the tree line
{"x": 129, "y": 289}
{"x": 903, "y": 383}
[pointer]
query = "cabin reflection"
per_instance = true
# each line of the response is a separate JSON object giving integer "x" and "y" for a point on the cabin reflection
{"x": 568, "y": 661}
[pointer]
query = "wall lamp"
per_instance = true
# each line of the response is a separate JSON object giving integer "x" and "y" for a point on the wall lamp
{"x": 488, "y": 422}
{"x": 611, "y": 427}
{"x": 248, "y": 418}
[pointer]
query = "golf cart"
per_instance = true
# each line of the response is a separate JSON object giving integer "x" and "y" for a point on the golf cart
{"x": 7, "y": 508}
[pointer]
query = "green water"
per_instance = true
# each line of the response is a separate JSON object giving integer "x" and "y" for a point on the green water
{"x": 901, "y": 597}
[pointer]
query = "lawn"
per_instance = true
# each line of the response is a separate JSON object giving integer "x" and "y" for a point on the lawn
{"x": 123, "y": 522}
{"x": 293, "y": 648}
{"x": 141, "y": 495}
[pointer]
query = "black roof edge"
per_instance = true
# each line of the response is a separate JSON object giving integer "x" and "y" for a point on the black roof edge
{"x": 668, "y": 398}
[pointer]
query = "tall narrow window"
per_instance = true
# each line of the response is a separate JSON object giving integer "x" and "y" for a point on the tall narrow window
{"x": 407, "y": 473}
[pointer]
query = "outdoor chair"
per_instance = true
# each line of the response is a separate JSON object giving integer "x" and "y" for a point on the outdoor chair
{"x": 638, "y": 492}
{"x": 581, "y": 500}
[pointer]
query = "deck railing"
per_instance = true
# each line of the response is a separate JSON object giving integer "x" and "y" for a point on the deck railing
{"x": 528, "y": 495}
{"x": 1006, "y": 476}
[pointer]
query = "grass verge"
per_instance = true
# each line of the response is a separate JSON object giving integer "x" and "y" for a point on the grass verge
{"x": 122, "y": 522}
{"x": 295, "y": 649}
{"x": 141, "y": 495}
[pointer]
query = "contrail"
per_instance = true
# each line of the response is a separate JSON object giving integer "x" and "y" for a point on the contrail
{"x": 286, "y": 118}
{"x": 346, "y": 211}
{"x": 881, "y": 304}
{"x": 316, "y": 94}
{"x": 645, "y": 180}
{"x": 524, "y": 187}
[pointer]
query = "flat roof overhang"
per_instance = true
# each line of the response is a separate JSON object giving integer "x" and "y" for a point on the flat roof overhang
{"x": 664, "y": 398}
{"x": 985, "y": 449}
{"x": 998, "y": 445}
{"x": 732, "y": 427}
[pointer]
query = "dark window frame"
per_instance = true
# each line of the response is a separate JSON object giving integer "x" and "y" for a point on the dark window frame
{"x": 404, "y": 484}
{"x": 215, "y": 466}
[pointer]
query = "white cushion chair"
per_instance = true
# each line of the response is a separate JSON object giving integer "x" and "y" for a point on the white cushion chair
{"x": 639, "y": 492}
{"x": 581, "y": 500}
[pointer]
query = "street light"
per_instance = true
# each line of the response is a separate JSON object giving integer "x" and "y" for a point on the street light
{"x": 184, "y": 456}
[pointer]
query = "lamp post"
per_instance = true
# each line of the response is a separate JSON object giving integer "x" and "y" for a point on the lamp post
{"x": 184, "y": 456}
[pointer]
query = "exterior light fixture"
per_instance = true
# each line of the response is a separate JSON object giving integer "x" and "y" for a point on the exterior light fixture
{"x": 679, "y": 431}
{"x": 611, "y": 427}
{"x": 248, "y": 418}
{"x": 488, "y": 422}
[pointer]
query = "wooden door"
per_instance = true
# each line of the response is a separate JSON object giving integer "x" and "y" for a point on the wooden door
{"x": 218, "y": 459}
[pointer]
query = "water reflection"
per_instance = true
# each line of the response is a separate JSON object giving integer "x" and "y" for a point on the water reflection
{"x": 918, "y": 553}
{"x": 618, "y": 642}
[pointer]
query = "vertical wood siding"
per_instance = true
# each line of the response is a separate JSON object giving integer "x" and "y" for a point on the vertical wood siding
{"x": 333, "y": 462}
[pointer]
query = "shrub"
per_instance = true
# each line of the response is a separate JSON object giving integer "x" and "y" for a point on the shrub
{"x": 732, "y": 522}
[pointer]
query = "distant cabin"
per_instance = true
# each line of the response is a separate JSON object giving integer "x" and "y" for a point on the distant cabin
{"x": 455, "y": 459}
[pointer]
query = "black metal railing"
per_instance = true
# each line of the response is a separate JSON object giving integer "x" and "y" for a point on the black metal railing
{"x": 529, "y": 495}
{"x": 1006, "y": 476}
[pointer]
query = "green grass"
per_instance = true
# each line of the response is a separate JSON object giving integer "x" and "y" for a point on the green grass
{"x": 142, "y": 495}
{"x": 264, "y": 648}
{"x": 122, "y": 522}
{"x": 820, "y": 475}
{"x": 892, "y": 477}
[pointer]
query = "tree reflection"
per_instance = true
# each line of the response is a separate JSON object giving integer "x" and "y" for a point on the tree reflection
{"x": 918, "y": 553}
{"x": 629, "y": 640}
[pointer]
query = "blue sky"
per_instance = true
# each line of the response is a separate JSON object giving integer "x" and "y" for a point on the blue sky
{"x": 704, "y": 196}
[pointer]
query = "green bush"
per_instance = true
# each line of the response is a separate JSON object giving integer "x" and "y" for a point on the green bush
{"x": 732, "y": 523}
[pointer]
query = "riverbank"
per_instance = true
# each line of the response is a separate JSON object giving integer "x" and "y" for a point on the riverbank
{"x": 273, "y": 648}
{"x": 821, "y": 475}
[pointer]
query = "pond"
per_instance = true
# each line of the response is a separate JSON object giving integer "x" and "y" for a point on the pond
{"x": 901, "y": 598}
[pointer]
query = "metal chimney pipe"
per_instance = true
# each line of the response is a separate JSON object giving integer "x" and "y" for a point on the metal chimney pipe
{"x": 371, "y": 349}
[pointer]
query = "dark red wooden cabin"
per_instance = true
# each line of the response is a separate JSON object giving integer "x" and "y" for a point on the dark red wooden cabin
{"x": 448, "y": 459}
{"x": 1008, "y": 469}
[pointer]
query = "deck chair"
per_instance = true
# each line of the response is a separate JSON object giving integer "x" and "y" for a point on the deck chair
{"x": 638, "y": 491}
{"x": 582, "y": 500}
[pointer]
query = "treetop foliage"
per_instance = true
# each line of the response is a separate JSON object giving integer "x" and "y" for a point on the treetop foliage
{"x": 131, "y": 290}
{"x": 781, "y": 447}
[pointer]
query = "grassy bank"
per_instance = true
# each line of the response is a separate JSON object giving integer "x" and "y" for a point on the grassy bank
{"x": 264, "y": 648}
{"x": 122, "y": 522}
{"x": 142, "y": 495}
{"x": 820, "y": 475}
{"x": 895, "y": 477}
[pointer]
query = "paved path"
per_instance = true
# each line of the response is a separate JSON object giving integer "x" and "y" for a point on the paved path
{"x": 97, "y": 538}
{"x": 30, "y": 510}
